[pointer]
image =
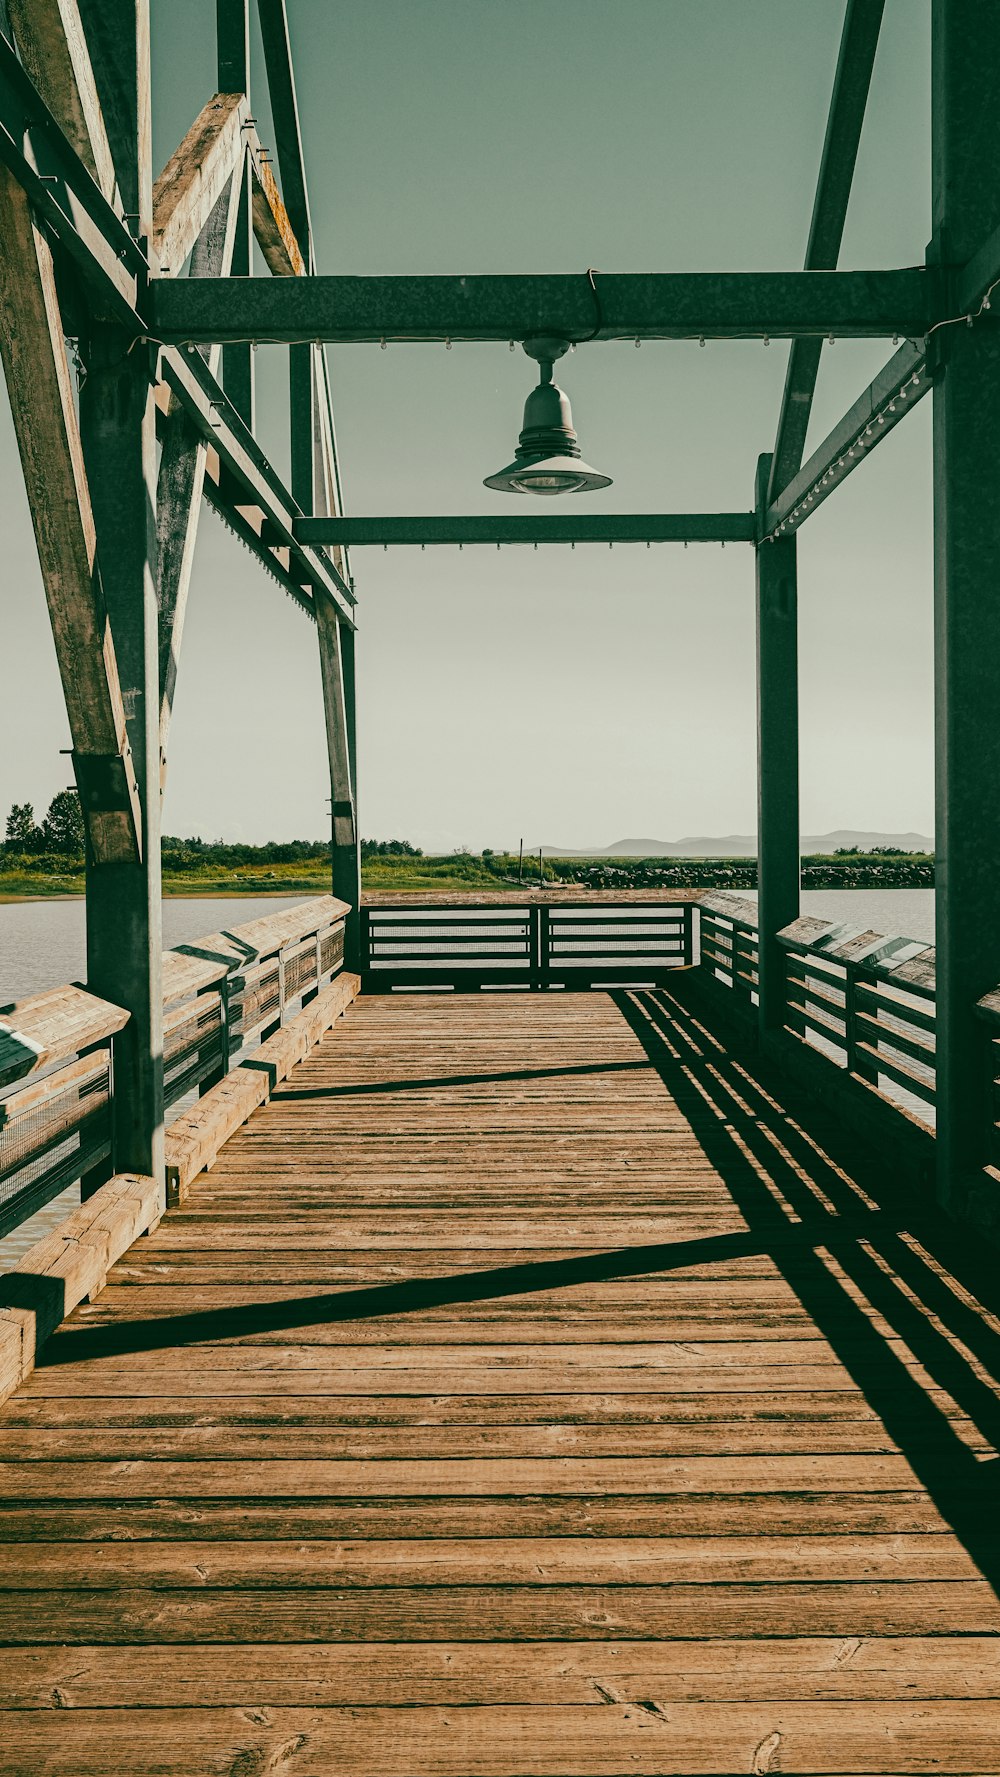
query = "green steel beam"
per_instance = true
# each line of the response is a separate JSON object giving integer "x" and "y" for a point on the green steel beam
{"x": 778, "y": 861}
{"x": 189, "y": 378}
{"x": 711, "y": 527}
{"x": 285, "y": 117}
{"x": 667, "y": 305}
{"x": 858, "y": 43}
{"x": 893, "y": 394}
{"x": 965, "y": 160}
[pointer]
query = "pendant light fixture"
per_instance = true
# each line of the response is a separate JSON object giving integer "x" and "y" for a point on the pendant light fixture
{"x": 548, "y": 459}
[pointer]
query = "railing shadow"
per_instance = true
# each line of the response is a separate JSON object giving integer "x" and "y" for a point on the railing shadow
{"x": 867, "y": 1254}
{"x": 872, "y": 1269}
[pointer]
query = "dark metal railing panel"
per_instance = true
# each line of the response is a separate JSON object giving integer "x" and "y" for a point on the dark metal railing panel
{"x": 51, "y": 1133}
{"x": 534, "y": 945}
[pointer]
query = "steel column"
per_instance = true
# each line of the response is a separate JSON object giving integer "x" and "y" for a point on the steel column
{"x": 966, "y": 207}
{"x": 124, "y": 933}
{"x": 118, "y": 431}
{"x": 777, "y": 761}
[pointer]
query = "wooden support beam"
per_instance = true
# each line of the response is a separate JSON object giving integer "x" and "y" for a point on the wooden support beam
{"x": 966, "y": 209}
{"x": 271, "y": 224}
{"x": 50, "y": 37}
{"x": 194, "y": 178}
{"x": 655, "y": 305}
{"x": 530, "y": 528}
{"x": 777, "y": 762}
{"x": 40, "y": 386}
{"x": 858, "y": 43}
{"x": 285, "y": 113}
{"x": 181, "y": 477}
{"x": 64, "y": 195}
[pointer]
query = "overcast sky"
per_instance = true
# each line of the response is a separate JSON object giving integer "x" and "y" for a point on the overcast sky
{"x": 572, "y": 697}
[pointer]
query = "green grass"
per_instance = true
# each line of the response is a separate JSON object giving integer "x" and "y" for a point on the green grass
{"x": 464, "y": 873}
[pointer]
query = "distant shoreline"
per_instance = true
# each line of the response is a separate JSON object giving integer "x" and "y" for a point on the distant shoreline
{"x": 467, "y": 873}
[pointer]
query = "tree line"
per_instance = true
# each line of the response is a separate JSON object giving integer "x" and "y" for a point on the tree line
{"x": 60, "y": 836}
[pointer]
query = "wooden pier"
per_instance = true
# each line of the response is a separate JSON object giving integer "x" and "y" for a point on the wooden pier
{"x": 524, "y": 1390}
{"x": 547, "y": 1336}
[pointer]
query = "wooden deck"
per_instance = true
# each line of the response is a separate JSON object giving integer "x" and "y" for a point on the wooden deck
{"x": 523, "y": 1392}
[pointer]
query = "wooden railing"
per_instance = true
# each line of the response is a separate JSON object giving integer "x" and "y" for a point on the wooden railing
{"x": 223, "y": 995}
{"x": 863, "y": 999}
{"x": 555, "y": 941}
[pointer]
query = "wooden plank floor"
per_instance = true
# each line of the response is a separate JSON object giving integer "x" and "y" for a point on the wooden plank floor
{"x": 523, "y": 1392}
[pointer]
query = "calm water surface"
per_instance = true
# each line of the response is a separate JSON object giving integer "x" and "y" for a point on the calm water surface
{"x": 42, "y": 943}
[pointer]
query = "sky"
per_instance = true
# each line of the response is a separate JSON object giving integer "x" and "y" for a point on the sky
{"x": 571, "y": 697}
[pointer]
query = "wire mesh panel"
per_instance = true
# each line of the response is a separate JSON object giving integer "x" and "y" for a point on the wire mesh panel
{"x": 194, "y": 1045}
{"x": 255, "y": 999}
{"x": 299, "y": 968}
{"x": 51, "y": 1133}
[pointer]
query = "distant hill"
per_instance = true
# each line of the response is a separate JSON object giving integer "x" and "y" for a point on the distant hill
{"x": 737, "y": 845}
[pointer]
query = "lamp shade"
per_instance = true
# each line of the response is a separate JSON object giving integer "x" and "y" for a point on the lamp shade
{"x": 548, "y": 459}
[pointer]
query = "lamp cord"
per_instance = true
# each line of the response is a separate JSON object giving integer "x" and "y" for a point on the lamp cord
{"x": 598, "y": 310}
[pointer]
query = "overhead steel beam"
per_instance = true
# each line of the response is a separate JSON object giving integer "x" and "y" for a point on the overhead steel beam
{"x": 858, "y": 43}
{"x": 655, "y": 305}
{"x": 698, "y": 527}
{"x": 894, "y": 393}
{"x": 190, "y": 379}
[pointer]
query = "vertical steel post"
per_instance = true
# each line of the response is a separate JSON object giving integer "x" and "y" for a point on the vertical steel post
{"x": 117, "y": 415}
{"x": 232, "y": 36}
{"x": 966, "y": 208}
{"x": 777, "y": 762}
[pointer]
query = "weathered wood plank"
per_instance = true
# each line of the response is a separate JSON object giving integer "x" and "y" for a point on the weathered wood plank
{"x": 64, "y": 1267}
{"x": 39, "y": 385}
{"x": 53, "y": 47}
{"x": 48, "y": 1027}
{"x": 195, "y": 177}
{"x": 181, "y": 473}
{"x": 901, "y": 1669}
{"x": 645, "y": 1737}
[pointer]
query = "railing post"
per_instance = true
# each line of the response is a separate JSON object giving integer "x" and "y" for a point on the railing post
{"x": 856, "y": 1062}
{"x": 544, "y": 946}
{"x": 534, "y": 951}
{"x": 777, "y": 762}
{"x": 965, "y": 94}
{"x": 688, "y": 934}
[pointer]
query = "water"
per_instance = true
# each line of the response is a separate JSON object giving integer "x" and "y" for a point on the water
{"x": 42, "y": 943}
{"x": 904, "y": 913}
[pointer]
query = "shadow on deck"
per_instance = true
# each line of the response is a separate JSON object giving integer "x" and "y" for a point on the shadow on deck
{"x": 593, "y": 1374}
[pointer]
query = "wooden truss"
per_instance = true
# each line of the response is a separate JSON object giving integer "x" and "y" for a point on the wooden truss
{"x": 92, "y": 253}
